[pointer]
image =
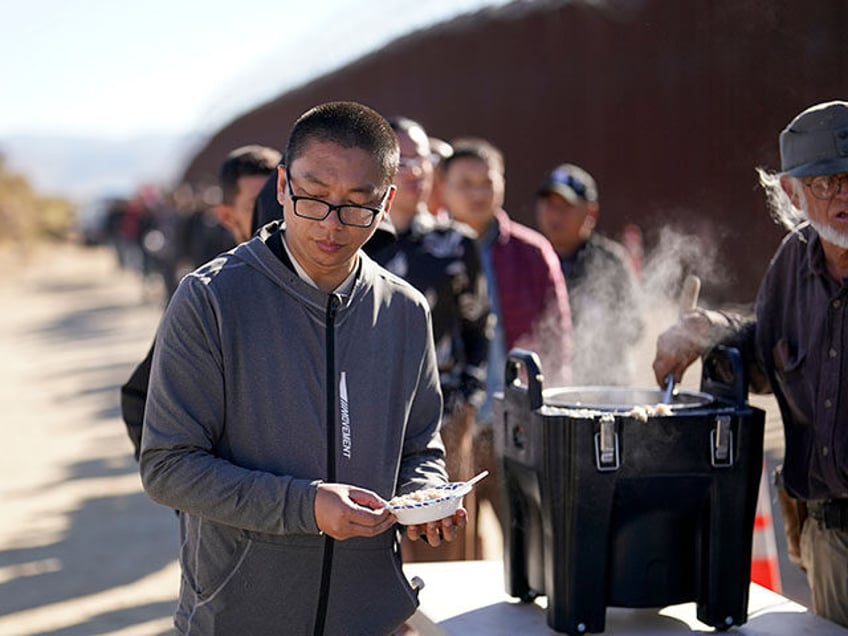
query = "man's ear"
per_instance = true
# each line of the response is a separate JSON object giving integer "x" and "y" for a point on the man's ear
{"x": 224, "y": 214}
{"x": 389, "y": 198}
{"x": 592, "y": 212}
{"x": 281, "y": 184}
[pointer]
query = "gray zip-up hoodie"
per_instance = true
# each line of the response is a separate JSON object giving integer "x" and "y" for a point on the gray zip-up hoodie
{"x": 261, "y": 387}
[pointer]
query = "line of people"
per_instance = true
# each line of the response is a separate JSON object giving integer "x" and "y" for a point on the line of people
{"x": 491, "y": 283}
{"x": 487, "y": 282}
{"x": 349, "y": 351}
{"x": 168, "y": 233}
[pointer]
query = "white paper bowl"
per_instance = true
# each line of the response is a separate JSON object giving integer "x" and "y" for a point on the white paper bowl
{"x": 417, "y": 512}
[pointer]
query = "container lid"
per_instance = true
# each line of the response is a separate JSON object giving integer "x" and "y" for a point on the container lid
{"x": 615, "y": 398}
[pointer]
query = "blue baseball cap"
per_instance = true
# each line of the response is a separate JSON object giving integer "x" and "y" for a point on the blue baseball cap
{"x": 571, "y": 182}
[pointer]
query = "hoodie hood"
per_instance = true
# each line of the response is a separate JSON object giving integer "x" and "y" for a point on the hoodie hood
{"x": 265, "y": 253}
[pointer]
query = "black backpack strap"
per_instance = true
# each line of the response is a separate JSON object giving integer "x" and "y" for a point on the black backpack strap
{"x": 133, "y": 397}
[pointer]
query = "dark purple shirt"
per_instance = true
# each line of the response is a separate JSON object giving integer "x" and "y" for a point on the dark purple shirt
{"x": 801, "y": 338}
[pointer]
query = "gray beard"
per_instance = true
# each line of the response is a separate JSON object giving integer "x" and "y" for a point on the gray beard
{"x": 827, "y": 233}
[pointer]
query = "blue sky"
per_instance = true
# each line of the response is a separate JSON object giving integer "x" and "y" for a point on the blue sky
{"x": 120, "y": 68}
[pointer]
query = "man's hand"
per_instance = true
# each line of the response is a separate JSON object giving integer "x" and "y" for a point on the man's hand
{"x": 447, "y": 529}
{"x": 682, "y": 344}
{"x": 343, "y": 511}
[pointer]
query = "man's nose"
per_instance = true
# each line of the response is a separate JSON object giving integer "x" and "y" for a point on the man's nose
{"x": 333, "y": 219}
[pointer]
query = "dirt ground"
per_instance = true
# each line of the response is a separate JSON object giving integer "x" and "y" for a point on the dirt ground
{"x": 82, "y": 550}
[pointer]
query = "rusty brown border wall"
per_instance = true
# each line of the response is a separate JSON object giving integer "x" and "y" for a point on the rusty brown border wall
{"x": 670, "y": 104}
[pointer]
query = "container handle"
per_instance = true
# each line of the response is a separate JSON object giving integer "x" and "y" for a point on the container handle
{"x": 530, "y": 380}
{"x": 723, "y": 375}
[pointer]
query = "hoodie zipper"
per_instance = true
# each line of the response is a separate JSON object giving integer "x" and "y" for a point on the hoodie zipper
{"x": 333, "y": 303}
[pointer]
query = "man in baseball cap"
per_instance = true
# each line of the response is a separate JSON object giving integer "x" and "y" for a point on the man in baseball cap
{"x": 600, "y": 283}
{"x": 797, "y": 345}
{"x": 567, "y": 211}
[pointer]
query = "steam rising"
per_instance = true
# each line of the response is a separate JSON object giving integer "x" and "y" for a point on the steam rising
{"x": 675, "y": 255}
{"x": 617, "y": 347}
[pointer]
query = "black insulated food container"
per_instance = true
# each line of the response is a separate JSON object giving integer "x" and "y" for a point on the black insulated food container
{"x": 607, "y": 505}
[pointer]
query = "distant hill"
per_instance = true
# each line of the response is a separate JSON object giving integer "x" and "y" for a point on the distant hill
{"x": 82, "y": 168}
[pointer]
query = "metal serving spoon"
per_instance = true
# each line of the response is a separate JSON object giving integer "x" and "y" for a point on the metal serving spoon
{"x": 669, "y": 389}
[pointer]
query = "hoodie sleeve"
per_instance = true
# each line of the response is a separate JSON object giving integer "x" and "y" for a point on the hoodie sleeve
{"x": 184, "y": 419}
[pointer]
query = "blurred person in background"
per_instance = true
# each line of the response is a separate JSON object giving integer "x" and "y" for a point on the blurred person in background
{"x": 439, "y": 151}
{"x": 115, "y": 211}
{"x": 524, "y": 281}
{"x": 170, "y": 235}
{"x": 294, "y": 391}
{"x": 135, "y": 222}
{"x": 240, "y": 177}
{"x": 605, "y": 312}
{"x": 796, "y": 345}
{"x": 440, "y": 258}
{"x": 631, "y": 239}
{"x": 156, "y": 228}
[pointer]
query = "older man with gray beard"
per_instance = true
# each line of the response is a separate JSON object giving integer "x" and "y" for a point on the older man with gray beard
{"x": 797, "y": 343}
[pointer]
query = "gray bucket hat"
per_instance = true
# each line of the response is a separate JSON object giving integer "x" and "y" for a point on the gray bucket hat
{"x": 816, "y": 141}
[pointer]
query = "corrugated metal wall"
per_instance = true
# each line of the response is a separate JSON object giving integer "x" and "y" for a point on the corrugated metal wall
{"x": 669, "y": 104}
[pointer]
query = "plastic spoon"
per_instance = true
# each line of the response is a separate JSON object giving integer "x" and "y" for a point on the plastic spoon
{"x": 466, "y": 487}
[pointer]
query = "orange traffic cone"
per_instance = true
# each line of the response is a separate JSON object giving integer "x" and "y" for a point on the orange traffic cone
{"x": 765, "y": 569}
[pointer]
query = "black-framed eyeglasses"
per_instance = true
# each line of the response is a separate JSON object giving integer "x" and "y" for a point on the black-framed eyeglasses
{"x": 826, "y": 186}
{"x": 349, "y": 214}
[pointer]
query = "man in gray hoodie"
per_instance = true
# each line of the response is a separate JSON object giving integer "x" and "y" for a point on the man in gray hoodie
{"x": 294, "y": 390}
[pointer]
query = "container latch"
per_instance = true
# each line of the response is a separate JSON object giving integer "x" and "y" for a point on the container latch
{"x": 721, "y": 443}
{"x": 606, "y": 445}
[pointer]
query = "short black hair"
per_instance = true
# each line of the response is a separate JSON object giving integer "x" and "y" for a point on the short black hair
{"x": 475, "y": 148}
{"x": 350, "y": 125}
{"x": 246, "y": 161}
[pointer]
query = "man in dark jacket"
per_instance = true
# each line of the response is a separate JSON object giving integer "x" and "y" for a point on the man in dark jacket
{"x": 605, "y": 312}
